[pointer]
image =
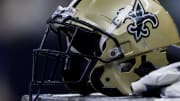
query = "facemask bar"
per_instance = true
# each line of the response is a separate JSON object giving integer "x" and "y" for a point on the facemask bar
{"x": 56, "y": 54}
{"x": 95, "y": 29}
{"x": 68, "y": 53}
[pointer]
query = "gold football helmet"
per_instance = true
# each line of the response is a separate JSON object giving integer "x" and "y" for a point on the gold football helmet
{"x": 105, "y": 45}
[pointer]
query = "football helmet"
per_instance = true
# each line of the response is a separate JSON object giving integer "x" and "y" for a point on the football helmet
{"x": 104, "y": 45}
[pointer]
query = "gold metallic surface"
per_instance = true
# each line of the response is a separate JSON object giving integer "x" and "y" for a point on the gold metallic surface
{"x": 101, "y": 13}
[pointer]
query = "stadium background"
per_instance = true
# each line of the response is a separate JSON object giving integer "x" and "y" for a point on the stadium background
{"x": 22, "y": 23}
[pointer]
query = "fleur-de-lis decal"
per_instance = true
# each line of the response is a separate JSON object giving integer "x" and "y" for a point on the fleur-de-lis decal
{"x": 140, "y": 17}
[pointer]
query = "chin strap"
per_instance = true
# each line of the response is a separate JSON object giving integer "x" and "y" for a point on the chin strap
{"x": 118, "y": 20}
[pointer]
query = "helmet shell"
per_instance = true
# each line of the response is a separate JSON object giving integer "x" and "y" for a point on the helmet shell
{"x": 162, "y": 33}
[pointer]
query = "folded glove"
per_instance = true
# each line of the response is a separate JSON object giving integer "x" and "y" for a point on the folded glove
{"x": 163, "y": 78}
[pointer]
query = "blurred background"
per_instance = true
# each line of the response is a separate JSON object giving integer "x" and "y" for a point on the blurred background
{"x": 22, "y": 24}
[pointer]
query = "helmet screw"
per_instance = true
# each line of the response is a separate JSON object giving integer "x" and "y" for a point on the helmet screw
{"x": 113, "y": 53}
{"x": 107, "y": 79}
